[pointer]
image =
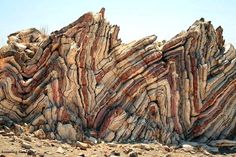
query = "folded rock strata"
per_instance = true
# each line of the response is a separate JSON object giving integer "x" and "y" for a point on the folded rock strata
{"x": 83, "y": 81}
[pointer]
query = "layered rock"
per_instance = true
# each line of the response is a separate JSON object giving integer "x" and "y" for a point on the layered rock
{"x": 83, "y": 81}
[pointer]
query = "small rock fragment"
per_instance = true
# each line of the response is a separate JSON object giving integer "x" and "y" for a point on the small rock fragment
{"x": 9, "y": 134}
{"x": 27, "y": 138}
{"x": 187, "y": 148}
{"x": 52, "y": 135}
{"x": 31, "y": 152}
{"x": 82, "y": 145}
{"x": 2, "y": 132}
{"x": 66, "y": 131}
{"x": 144, "y": 147}
{"x": 9, "y": 151}
{"x": 18, "y": 129}
{"x": 127, "y": 150}
{"x": 168, "y": 149}
{"x": 92, "y": 140}
{"x": 40, "y": 134}
{"x": 60, "y": 150}
{"x": 26, "y": 145}
{"x": 22, "y": 151}
{"x": 115, "y": 153}
{"x": 111, "y": 144}
{"x": 38, "y": 144}
{"x": 133, "y": 154}
{"x": 13, "y": 139}
{"x": 41, "y": 155}
{"x": 81, "y": 155}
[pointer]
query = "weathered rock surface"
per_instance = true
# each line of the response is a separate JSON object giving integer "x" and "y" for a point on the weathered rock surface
{"x": 83, "y": 81}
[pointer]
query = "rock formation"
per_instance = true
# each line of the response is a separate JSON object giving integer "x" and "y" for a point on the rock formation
{"x": 82, "y": 81}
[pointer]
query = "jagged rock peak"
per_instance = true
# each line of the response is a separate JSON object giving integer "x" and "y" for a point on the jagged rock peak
{"x": 82, "y": 81}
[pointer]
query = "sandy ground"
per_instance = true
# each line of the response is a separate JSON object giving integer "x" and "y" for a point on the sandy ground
{"x": 27, "y": 145}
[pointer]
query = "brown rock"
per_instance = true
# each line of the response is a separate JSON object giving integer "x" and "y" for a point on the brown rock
{"x": 9, "y": 134}
{"x": 18, "y": 129}
{"x": 82, "y": 80}
{"x": 143, "y": 146}
{"x": 82, "y": 145}
{"x": 60, "y": 150}
{"x": 127, "y": 150}
{"x": 66, "y": 131}
{"x": 168, "y": 149}
{"x": 27, "y": 138}
{"x": 115, "y": 153}
{"x": 133, "y": 154}
{"x": 26, "y": 145}
{"x": 40, "y": 134}
{"x": 31, "y": 152}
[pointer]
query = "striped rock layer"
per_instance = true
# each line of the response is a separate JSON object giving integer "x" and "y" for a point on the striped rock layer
{"x": 83, "y": 81}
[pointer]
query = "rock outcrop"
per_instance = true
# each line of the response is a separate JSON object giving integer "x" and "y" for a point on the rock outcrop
{"x": 83, "y": 81}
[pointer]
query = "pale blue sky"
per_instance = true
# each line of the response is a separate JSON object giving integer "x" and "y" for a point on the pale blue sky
{"x": 136, "y": 18}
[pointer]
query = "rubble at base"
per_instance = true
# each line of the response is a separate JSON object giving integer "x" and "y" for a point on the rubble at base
{"x": 17, "y": 144}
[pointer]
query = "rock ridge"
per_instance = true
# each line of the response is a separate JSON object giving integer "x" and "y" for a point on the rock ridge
{"x": 82, "y": 82}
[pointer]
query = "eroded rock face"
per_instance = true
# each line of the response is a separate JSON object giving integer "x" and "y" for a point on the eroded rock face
{"x": 82, "y": 80}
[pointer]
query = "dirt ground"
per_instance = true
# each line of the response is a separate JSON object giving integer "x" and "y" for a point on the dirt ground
{"x": 28, "y": 145}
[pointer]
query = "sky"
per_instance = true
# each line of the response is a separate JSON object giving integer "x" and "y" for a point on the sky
{"x": 136, "y": 18}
